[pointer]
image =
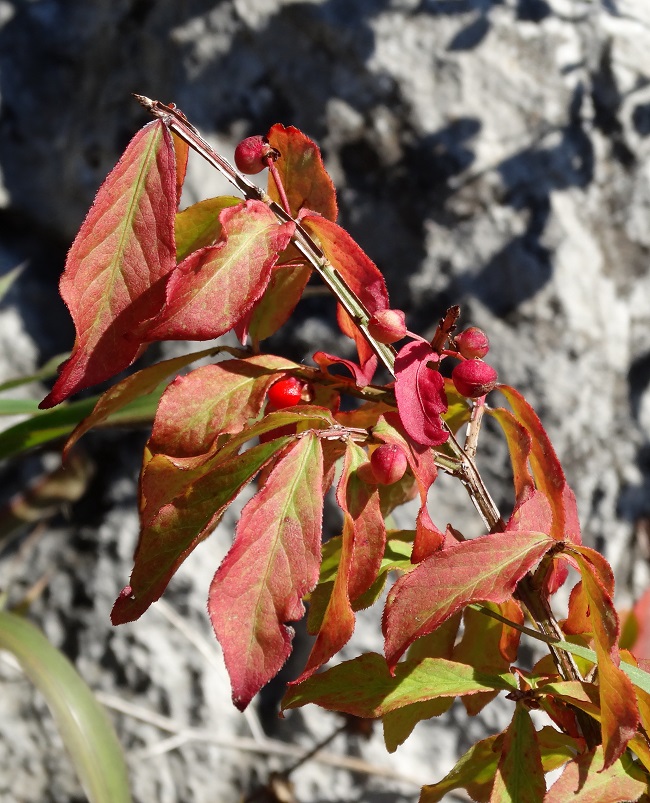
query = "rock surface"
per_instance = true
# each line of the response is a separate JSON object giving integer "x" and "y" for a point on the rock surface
{"x": 492, "y": 153}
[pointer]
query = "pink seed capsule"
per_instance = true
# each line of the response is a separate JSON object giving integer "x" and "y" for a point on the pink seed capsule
{"x": 474, "y": 378}
{"x": 251, "y": 154}
{"x": 473, "y": 342}
{"x": 388, "y": 463}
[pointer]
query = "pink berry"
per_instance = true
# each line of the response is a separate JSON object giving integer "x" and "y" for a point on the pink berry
{"x": 286, "y": 392}
{"x": 474, "y": 378}
{"x": 387, "y": 325}
{"x": 473, "y": 342}
{"x": 388, "y": 463}
{"x": 251, "y": 154}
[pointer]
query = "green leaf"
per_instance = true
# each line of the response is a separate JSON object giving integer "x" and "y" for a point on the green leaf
{"x": 586, "y": 779}
{"x": 85, "y": 729}
{"x": 199, "y": 224}
{"x": 520, "y": 775}
{"x": 7, "y": 279}
{"x": 46, "y": 372}
{"x": 364, "y": 686}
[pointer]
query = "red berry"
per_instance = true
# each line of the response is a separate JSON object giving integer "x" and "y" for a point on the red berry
{"x": 286, "y": 392}
{"x": 388, "y": 463}
{"x": 473, "y": 342}
{"x": 251, "y": 154}
{"x": 387, "y": 325}
{"x": 474, "y": 378}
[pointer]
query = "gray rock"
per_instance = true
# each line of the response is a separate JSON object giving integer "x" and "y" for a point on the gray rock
{"x": 492, "y": 153}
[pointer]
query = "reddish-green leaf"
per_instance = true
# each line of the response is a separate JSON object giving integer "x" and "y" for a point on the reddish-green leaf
{"x": 214, "y": 287}
{"x": 619, "y": 711}
{"x": 360, "y": 273}
{"x": 115, "y": 270}
{"x": 303, "y": 175}
{"x": 428, "y": 537}
{"x": 486, "y": 568}
{"x": 547, "y": 471}
{"x": 520, "y": 775}
{"x": 420, "y": 393}
{"x": 365, "y": 687}
{"x": 199, "y": 225}
{"x": 587, "y": 779}
{"x": 519, "y": 445}
{"x": 138, "y": 384}
{"x": 197, "y": 500}
{"x": 273, "y": 563}
{"x": 182, "y": 152}
{"x": 210, "y": 401}
{"x": 278, "y": 302}
{"x": 361, "y": 553}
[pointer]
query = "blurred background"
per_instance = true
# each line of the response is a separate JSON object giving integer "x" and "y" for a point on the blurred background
{"x": 490, "y": 153}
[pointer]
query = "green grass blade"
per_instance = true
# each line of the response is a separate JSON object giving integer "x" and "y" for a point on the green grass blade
{"x": 83, "y": 723}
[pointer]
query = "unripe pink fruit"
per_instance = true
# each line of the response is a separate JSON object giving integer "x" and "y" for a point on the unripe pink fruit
{"x": 388, "y": 463}
{"x": 387, "y": 325}
{"x": 251, "y": 155}
{"x": 473, "y": 342}
{"x": 474, "y": 378}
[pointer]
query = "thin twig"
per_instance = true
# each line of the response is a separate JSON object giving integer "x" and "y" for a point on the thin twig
{"x": 267, "y": 747}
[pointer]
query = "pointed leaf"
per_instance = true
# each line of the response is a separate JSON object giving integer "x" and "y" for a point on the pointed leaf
{"x": 547, "y": 471}
{"x": 115, "y": 270}
{"x": 362, "y": 374}
{"x": 210, "y": 401}
{"x": 640, "y": 646}
{"x": 420, "y": 393}
{"x": 133, "y": 387}
{"x": 586, "y": 779}
{"x": 519, "y": 445}
{"x": 303, "y": 175}
{"x": 199, "y": 225}
{"x": 198, "y": 500}
{"x": 487, "y": 568}
{"x": 361, "y": 553}
{"x": 214, "y": 287}
{"x": 273, "y": 563}
{"x": 364, "y": 686}
{"x": 520, "y": 775}
{"x": 360, "y": 273}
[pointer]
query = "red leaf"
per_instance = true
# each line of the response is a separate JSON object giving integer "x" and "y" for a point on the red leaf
{"x": 303, "y": 175}
{"x": 210, "y": 401}
{"x": 360, "y": 273}
{"x": 362, "y": 375}
{"x": 273, "y": 563}
{"x": 428, "y": 537}
{"x": 191, "y": 504}
{"x": 420, "y": 393}
{"x": 214, "y": 287}
{"x": 362, "y": 549}
{"x": 115, "y": 270}
{"x": 520, "y": 775}
{"x": 587, "y": 779}
{"x": 486, "y": 568}
{"x": 519, "y": 447}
